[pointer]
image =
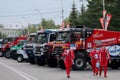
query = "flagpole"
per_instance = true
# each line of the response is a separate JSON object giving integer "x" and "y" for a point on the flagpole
{"x": 104, "y": 15}
{"x": 103, "y": 4}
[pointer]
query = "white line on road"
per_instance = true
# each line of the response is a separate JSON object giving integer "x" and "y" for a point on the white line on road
{"x": 24, "y": 75}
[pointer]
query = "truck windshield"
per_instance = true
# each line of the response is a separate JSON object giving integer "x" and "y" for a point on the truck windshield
{"x": 41, "y": 38}
{"x": 31, "y": 38}
{"x": 63, "y": 36}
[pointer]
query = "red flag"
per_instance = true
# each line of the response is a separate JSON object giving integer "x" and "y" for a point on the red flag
{"x": 104, "y": 13}
{"x": 107, "y": 20}
{"x": 63, "y": 25}
{"x": 102, "y": 23}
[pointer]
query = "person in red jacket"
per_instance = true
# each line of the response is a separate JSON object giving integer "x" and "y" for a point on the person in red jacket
{"x": 94, "y": 54}
{"x": 68, "y": 56}
{"x": 104, "y": 58}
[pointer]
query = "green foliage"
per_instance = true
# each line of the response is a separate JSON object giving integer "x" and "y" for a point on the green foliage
{"x": 2, "y": 35}
{"x": 94, "y": 12}
{"x": 1, "y": 26}
{"x": 90, "y": 17}
{"x": 32, "y": 28}
{"x": 73, "y": 18}
{"x": 48, "y": 24}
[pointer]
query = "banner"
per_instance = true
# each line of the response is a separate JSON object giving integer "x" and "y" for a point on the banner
{"x": 63, "y": 25}
{"x": 104, "y": 13}
{"x": 107, "y": 20}
{"x": 101, "y": 21}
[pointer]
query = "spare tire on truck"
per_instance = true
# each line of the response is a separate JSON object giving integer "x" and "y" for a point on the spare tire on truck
{"x": 79, "y": 61}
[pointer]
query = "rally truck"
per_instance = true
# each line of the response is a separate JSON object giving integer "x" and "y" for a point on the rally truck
{"x": 16, "y": 51}
{"x": 6, "y": 48}
{"x": 43, "y": 37}
{"x": 82, "y": 40}
{"x": 4, "y": 44}
{"x": 30, "y": 47}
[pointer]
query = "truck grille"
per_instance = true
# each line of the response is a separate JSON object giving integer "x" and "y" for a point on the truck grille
{"x": 28, "y": 47}
{"x": 58, "y": 50}
{"x": 38, "y": 49}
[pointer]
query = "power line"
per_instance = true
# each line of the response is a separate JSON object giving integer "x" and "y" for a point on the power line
{"x": 34, "y": 14}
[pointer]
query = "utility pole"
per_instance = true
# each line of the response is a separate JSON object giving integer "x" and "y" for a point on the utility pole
{"x": 62, "y": 10}
{"x": 40, "y": 16}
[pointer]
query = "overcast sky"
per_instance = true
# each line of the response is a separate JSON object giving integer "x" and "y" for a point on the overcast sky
{"x": 18, "y": 12}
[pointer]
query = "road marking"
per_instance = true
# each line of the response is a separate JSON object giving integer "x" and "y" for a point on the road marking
{"x": 24, "y": 75}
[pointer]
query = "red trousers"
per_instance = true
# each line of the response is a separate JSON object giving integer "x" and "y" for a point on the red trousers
{"x": 104, "y": 65}
{"x": 94, "y": 68}
{"x": 68, "y": 65}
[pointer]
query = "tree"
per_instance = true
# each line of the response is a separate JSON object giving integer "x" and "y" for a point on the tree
{"x": 31, "y": 28}
{"x": 73, "y": 18}
{"x": 48, "y": 24}
{"x": 1, "y": 26}
{"x": 94, "y": 11}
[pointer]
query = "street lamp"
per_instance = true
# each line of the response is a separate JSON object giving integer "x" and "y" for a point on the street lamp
{"x": 39, "y": 12}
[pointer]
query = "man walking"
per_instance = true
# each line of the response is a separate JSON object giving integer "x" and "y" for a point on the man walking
{"x": 104, "y": 58}
{"x": 94, "y": 54}
{"x": 68, "y": 56}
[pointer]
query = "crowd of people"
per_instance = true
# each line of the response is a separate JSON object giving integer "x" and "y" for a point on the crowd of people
{"x": 99, "y": 60}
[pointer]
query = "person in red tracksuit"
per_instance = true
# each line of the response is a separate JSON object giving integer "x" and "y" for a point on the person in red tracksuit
{"x": 104, "y": 58}
{"x": 94, "y": 54}
{"x": 68, "y": 56}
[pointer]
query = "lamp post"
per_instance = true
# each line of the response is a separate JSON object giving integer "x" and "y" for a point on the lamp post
{"x": 39, "y": 13}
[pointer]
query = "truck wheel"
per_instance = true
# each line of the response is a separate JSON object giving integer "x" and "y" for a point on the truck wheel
{"x": 1, "y": 54}
{"x": 19, "y": 58}
{"x": 31, "y": 60}
{"x": 61, "y": 64}
{"x": 79, "y": 62}
{"x": 41, "y": 60}
{"x": 114, "y": 65}
{"x": 51, "y": 61}
{"x": 8, "y": 54}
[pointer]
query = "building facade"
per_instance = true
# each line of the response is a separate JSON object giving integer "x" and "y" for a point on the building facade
{"x": 10, "y": 32}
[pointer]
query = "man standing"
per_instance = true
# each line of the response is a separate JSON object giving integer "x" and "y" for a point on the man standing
{"x": 94, "y": 54}
{"x": 104, "y": 58}
{"x": 68, "y": 56}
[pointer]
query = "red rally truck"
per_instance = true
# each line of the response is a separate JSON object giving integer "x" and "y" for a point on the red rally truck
{"x": 82, "y": 40}
{"x": 6, "y": 48}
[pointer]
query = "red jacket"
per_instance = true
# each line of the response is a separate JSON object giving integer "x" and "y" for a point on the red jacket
{"x": 104, "y": 54}
{"x": 94, "y": 54}
{"x": 68, "y": 55}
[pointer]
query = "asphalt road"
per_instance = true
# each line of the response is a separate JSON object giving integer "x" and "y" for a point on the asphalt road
{"x": 12, "y": 70}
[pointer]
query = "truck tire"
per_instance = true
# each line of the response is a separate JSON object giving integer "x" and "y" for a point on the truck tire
{"x": 41, "y": 60}
{"x": 114, "y": 65}
{"x": 19, "y": 58}
{"x": 1, "y": 54}
{"x": 31, "y": 60}
{"x": 79, "y": 62}
{"x": 8, "y": 54}
{"x": 51, "y": 61}
{"x": 61, "y": 64}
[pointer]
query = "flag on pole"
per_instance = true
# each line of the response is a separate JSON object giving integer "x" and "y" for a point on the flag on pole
{"x": 63, "y": 25}
{"x": 102, "y": 23}
{"x": 104, "y": 13}
{"x": 107, "y": 20}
